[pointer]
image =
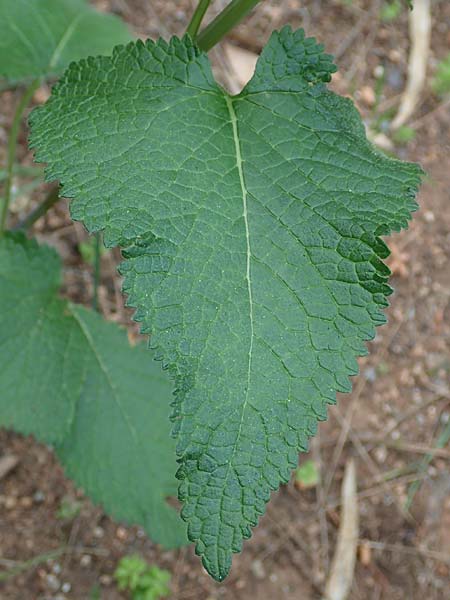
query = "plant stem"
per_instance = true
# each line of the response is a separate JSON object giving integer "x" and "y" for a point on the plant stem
{"x": 33, "y": 562}
{"x": 197, "y": 17}
{"x": 226, "y": 20}
{"x": 50, "y": 200}
{"x": 12, "y": 145}
{"x": 441, "y": 442}
{"x": 97, "y": 258}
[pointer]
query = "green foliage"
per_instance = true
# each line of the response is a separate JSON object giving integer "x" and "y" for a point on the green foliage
{"x": 441, "y": 79}
{"x": 95, "y": 593}
{"x": 404, "y": 134}
{"x": 307, "y": 474}
{"x": 390, "y": 10}
{"x": 145, "y": 582}
{"x": 72, "y": 380}
{"x": 251, "y": 231}
{"x": 87, "y": 250}
{"x": 69, "y": 509}
{"x": 39, "y": 38}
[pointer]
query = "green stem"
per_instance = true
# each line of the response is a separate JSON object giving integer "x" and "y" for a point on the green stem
{"x": 50, "y": 200}
{"x": 97, "y": 258}
{"x": 197, "y": 17}
{"x": 12, "y": 145}
{"x": 226, "y": 20}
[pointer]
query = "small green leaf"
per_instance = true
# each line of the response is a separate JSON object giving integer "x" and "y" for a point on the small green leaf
{"x": 70, "y": 378}
{"x": 251, "y": 231}
{"x": 39, "y": 38}
{"x": 404, "y": 134}
{"x": 129, "y": 572}
{"x": 441, "y": 79}
{"x": 145, "y": 582}
{"x": 390, "y": 10}
{"x": 95, "y": 593}
{"x": 68, "y": 509}
{"x": 307, "y": 474}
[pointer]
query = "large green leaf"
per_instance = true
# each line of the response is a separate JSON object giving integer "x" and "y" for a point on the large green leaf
{"x": 41, "y": 37}
{"x": 251, "y": 231}
{"x": 72, "y": 379}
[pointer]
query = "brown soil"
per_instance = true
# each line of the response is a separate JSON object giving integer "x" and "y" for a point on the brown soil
{"x": 400, "y": 400}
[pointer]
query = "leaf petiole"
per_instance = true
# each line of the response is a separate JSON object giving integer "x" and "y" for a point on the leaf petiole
{"x": 12, "y": 145}
{"x": 197, "y": 17}
{"x": 97, "y": 267}
{"x": 50, "y": 200}
{"x": 232, "y": 14}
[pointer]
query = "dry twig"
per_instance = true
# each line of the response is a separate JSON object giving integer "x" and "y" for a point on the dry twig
{"x": 420, "y": 33}
{"x": 7, "y": 464}
{"x": 341, "y": 576}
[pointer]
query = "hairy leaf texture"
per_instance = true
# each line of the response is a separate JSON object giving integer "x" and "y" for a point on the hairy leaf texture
{"x": 250, "y": 227}
{"x": 72, "y": 379}
{"x": 39, "y": 38}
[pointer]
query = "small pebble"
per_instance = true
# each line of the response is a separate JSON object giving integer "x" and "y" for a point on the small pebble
{"x": 105, "y": 579}
{"x": 10, "y": 502}
{"x": 378, "y": 71}
{"x": 367, "y": 95}
{"x": 121, "y": 533}
{"x": 395, "y": 56}
{"x": 53, "y": 582}
{"x": 26, "y": 502}
{"x": 38, "y": 496}
{"x": 381, "y": 454}
{"x": 258, "y": 569}
{"x": 370, "y": 374}
{"x": 85, "y": 560}
{"x": 98, "y": 532}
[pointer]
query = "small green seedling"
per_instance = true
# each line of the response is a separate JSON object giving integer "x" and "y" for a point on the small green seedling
{"x": 69, "y": 509}
{"x": 390, "y": 10}
{"x": 404, "y": 134}
{"x": 95, "y": 593}
{"x": 441, "y": 79}
{"x": 143, "y": 581}
{"x": 307, "y": 475}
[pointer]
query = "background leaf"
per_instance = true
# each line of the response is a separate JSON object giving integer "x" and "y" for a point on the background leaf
{"x": 251, "y": 231}
{"x": 39, "y": 38}
{"x": 70, "y": 378}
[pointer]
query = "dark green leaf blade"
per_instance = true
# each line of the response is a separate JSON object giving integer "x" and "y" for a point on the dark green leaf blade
{"x": 119, "y": 448}
{"x": 71, "y": 379}
{"x": 35, "y": 364}
{"x": 39, "y": 38}
{"x": 251, "y": 226}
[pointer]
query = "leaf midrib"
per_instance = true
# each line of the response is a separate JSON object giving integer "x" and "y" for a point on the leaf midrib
{"x": 87, "y": 335}
{"x": 64, "y": 40}
{"x": 62, "y": 43}
{"x": 244, "y": 191}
